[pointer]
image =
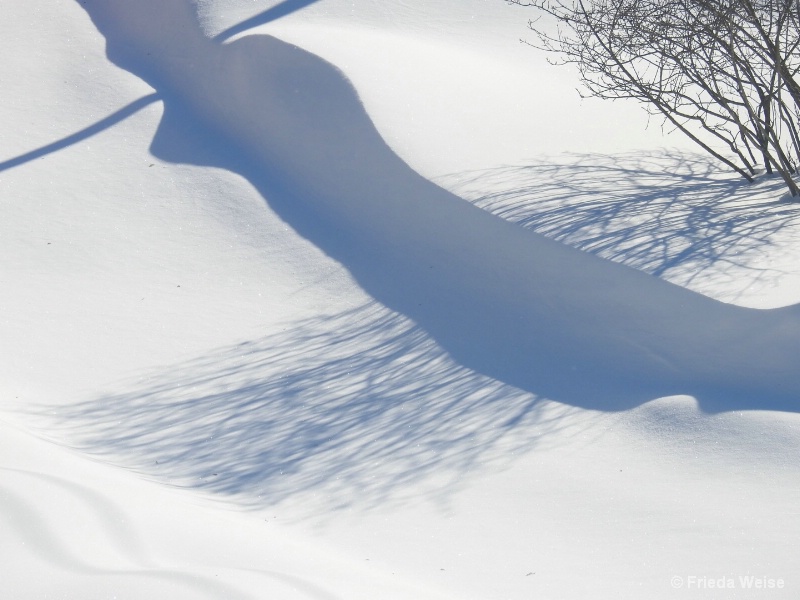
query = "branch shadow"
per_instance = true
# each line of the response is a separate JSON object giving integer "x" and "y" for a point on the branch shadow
{"x": 353, "y": 407}
{"x": 85, "y": 133}
{"x": 282, "y": 9}
{"x": 671, "y": 214}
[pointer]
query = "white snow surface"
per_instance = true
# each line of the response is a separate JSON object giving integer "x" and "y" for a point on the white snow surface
{"x": 343, "y": 299}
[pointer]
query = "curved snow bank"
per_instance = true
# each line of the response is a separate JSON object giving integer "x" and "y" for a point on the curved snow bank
{"x": 96, "y": 531}
{"x": 501, "y": 300}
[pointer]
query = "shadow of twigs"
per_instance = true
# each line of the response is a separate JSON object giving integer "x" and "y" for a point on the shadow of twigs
{"x": 673, "y": 215}
{"x": 352, "y": 407}
{"x": 282, "y": 9}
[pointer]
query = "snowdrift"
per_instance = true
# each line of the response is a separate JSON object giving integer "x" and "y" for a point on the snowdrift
{"x": 249, "y": 279}
{"x": 501, "y": 300}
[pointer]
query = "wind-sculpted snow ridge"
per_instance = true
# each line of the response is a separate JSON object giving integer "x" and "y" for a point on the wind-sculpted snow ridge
{"x": 501, "y": 300}
{"x": 77, "y": 529}
{"x": 75, "y": 573}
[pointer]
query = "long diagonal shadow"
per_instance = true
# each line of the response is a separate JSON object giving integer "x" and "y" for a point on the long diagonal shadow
{"x": 278, "y": 11}
{"x": 103, "y": 124}
{"x": 500, "y": 299}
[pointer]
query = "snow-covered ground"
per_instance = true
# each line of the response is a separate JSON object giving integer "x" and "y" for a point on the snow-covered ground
{"x": 254, "y": 346}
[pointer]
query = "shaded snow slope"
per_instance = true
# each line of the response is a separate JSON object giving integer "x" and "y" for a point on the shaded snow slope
{"x": 501, "y": 300}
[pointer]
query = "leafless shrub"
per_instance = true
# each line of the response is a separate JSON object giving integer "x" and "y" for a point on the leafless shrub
{"x": 723, "y": 72}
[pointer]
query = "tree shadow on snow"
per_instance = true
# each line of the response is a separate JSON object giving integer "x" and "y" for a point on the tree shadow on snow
{"x": 351, "y": 407}
{"x": 500, "y": 299}
{"x": 507, "y": 307}
{"x": 671, "y": 214}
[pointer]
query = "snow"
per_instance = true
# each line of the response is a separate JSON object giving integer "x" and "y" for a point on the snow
{"x": 376, "y": 307}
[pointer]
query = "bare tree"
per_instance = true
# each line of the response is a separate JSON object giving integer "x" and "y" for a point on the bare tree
{"x": 723, "y": 72}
